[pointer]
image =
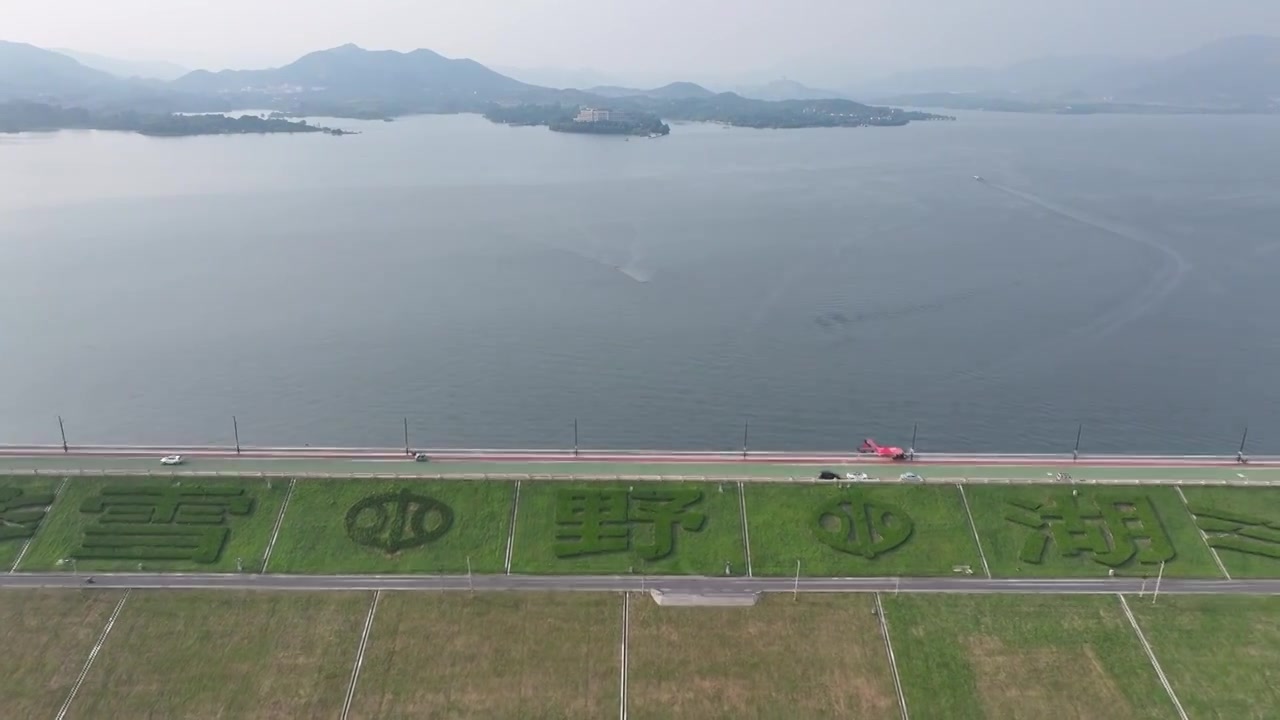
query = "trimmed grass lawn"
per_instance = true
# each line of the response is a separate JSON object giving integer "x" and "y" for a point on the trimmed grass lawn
{"x": 495, "y": 655}
{"x": 47, "y": 635}
{"x": 314, "y": 538}
{"x": 1219, "y": 652}
{"x": 1004, "y": 541}
{"x": 1260, "y": 503}
{"x": 29, "y": 486}
{"x": 183, "y": 654}
{"x": 819, "y": 657}
{"x": 783, "y": 524}
{"x": 1003, "y": 657}
{"x": 64, "y": 528}
{"x": 696, "y": 552}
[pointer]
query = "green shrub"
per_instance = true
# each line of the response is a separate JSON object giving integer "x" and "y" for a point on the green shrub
{"x": 1239, "y": 544}
{"x": 1240, "y": 518}
{"x": 1212, "y": 524}
{"x": 1033, "y": 549}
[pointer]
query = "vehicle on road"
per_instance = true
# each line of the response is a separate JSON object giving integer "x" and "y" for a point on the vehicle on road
{"x": 172, "y": 460}
{"x": 859, "y": 477}
{"x": 421, "y": 457}
{"x": 893, "y": 453}
{"x": 910, "y": 477}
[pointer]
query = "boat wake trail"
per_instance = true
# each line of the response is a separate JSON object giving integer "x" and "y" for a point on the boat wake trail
{"x": 1171, "y": 270}
{"x": 1173, "y": 267}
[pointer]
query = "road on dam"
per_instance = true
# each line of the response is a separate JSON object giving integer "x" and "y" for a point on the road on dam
{"x": 635, "y": 583}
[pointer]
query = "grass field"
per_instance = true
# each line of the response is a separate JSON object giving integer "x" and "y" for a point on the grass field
{"x": 499, "y": 655}
{"x": 48, "y": 634}
{"x": 1004, "y": 540}
{"x": 216, "y": 654}
{"x": 819, "y": 657}
{"x": 783, "y": 524}
{"x": 1006, "y": 657}
{"x": 64, "y": 528}
{"x": 701, "y": 552}
{"x": 1263, "y": 503}
{"x": 314, "y": 538}
{"x": 29, "y": 486}
{"x": 1220, "y": 653}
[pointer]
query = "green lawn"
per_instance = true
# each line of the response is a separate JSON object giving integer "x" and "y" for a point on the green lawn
{"x": 19, "y": 520}
{"x": 215, "y": 654}
{"x": 254, "y": 508}
{"x": 784, "y": 526}
{"x": 1147, "y": 524}
{"x": 492, "y": 655}
{"x": 704, "y": 533}
{"x": 314, "y": 537}
{"x": 47, "y": 635}
{"x": 819, "y": 657}
{"x": 1220, "y": 653}
{"x": 1005, "y": 657}
{"x": 1242, "y": 555}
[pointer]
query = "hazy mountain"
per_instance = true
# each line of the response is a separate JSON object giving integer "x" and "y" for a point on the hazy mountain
{"x": 29, "y": 72}
{"x": 785, "y": 89}
{"x": 1236, "y": 73}
{"x": 350, "y": 73}
{"x": 149, "y": 69}
{"x": 1239, "y": 71}
{"x": 672, "y": 91}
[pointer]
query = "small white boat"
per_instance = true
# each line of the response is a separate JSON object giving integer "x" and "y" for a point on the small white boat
{"x": 978, "y": 178}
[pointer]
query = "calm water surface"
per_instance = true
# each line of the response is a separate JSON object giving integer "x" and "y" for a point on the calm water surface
{"x": 493, "y": 283}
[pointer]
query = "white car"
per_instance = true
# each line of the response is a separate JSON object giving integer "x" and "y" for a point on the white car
{"x": 857, "y": 477}
{"x": 171, "y": 460}
{"x": 910, "y": 477}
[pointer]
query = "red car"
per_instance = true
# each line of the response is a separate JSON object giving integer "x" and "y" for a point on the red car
{"x": 893, "y": 453}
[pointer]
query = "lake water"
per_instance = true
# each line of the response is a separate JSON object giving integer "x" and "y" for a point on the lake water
{"x": 493, "y": 283}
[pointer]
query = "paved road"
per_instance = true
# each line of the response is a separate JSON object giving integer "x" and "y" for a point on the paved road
{"x": 620, "y": 456}
{"x": 618, "y": 583}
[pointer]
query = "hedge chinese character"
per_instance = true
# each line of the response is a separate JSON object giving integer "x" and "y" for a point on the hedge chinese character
{"x": 161, "y": 523}
{"x": 596, "y": 521}
{"x": 21, "y": 512}
{"x": 1227, "y": 530}
{"x": 1110, "y": 532}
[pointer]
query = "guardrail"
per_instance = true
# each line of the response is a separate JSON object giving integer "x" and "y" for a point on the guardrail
{"x": 592, "y": 477}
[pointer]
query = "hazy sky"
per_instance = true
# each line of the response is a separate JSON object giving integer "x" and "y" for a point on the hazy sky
{"x": 814, "y": 40}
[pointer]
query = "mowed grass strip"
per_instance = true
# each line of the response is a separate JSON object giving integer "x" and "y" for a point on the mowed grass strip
{"x": 702, "y": 552}
{"x": 64, "y": 530}
{"x": 1219, "y": 652}
{"x": 492, "y": 655}
{"x": 47, "y": 636}
{"x": 1003, "y": 540}
{"x": 1259, "y": 503}
{"x": 819, "y": 657}
{"x": 29, "y": 486}
{"x": 314, "y": 538}
{"x": 784, "y": 527}
{"x": 184, "y": 654}
{"x": 1003, "y": 657}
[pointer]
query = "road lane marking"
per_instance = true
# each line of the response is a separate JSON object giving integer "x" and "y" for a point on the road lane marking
{"x": 275, "y": 533}
{"x": 893, "y": 662}
{"x": 364, "y": 642}
{"x": 1151, "y": 655}
{"x": 1203, "y": 535}
{"x": 746, "y": 533}
{"x": 62, "y": 712}
{"x": 511, "y": 535}
{"x": 43, "y": 521}
{"x": 626, "y": 631}
{"x": 974, "y": 527}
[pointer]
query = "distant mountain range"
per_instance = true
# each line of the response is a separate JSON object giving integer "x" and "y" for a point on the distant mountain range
{"x": 1233, "y": 74}
{"x": 145, "y": 69}
{"x": 785, "y": 89}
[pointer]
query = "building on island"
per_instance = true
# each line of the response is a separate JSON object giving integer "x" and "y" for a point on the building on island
{"x": 591, "y": 115}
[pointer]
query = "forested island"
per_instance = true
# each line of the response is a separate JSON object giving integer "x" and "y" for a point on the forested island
{"x": 572, "y": 119}
{"x": 22, "y": 116}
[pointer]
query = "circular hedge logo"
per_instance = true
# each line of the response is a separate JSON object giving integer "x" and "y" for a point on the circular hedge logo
{"x": 854, "y": 525}
{"x": 398, "y": 521}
